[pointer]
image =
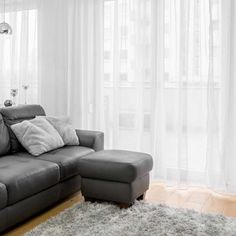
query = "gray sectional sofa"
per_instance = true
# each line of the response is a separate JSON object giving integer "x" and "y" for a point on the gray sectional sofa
{"x": 30, "y": 184}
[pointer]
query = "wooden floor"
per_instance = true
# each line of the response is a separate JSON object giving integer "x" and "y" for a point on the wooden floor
{"x": 199, "y": 199}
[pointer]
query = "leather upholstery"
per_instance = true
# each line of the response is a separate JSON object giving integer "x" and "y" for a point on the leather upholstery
{"x": 3, "y": 195}
{"x": 3, "y": 219}
{"x": 70, "y": 186}
{"x": 16, "y": 114}
{"x": 115, "y": 165}
{"x": 24, "y": 176}
{"x": 28, "y": 207}
{"x": 4, "y": 138}
{"x": 115, "y": 191}
{"x": 28, "y": 184}
{"x": 67, "y": 159}
{"x": 91, "y": 139}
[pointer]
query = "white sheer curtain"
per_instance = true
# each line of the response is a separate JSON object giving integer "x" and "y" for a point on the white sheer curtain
{"x": 18, "y": 52}
{"x": 56, "y": 48}
{"x": 228, "y": 64}
{"x": 70, "y": 59}
{"x": 165, "y": 88}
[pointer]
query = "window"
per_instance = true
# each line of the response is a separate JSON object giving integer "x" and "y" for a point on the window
{"x": 120, "y": 31}
{"x": 127, "y": 121}
{"x": 171, "y": 96}
{"x": 194, "y": 72}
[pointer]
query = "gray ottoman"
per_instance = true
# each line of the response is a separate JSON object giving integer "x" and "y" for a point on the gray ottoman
{"x": 115, "y": 175}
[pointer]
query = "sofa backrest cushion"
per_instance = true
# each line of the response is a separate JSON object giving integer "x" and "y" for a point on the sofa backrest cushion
{"x": 37, "y": 136}
{"x": 4, "y": 138}
{"x": 15, "y": 114}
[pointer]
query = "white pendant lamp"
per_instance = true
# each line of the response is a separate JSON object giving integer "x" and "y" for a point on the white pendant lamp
{"x": 5, "y": 28}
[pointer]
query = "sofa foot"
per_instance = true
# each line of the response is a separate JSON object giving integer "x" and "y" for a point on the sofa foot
{"x": 142, "y": 197}
{"x": 125, "y": 205}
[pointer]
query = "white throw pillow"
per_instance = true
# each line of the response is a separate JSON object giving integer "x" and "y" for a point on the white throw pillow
{"x": 64, "y": 128}
{"x": 37, "y": 136}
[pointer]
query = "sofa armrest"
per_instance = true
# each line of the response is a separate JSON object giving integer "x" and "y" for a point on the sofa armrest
{"x": 91, "y": 139}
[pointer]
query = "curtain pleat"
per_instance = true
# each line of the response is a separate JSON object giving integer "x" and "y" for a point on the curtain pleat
{"x": 19, "y": 53}
{"x": 156, "y": 76}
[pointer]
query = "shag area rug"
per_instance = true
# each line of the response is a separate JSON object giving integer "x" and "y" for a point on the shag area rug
{"x": 144, "y": 219}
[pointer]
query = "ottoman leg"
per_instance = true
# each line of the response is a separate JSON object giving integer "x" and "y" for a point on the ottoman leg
{"x": 125, "y": 205}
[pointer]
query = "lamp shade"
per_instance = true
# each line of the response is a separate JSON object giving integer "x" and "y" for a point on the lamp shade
{"x": 5, "y": 28}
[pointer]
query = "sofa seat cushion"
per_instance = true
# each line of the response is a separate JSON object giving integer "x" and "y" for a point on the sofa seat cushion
{"x": 3, "y": 196}
{"x": 24, "y": 176}
{"x": 115, "y": 165}
{"x": 66, "y": 158}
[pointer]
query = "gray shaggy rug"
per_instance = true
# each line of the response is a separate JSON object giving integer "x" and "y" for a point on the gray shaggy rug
{"x": 103, "y": 219}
